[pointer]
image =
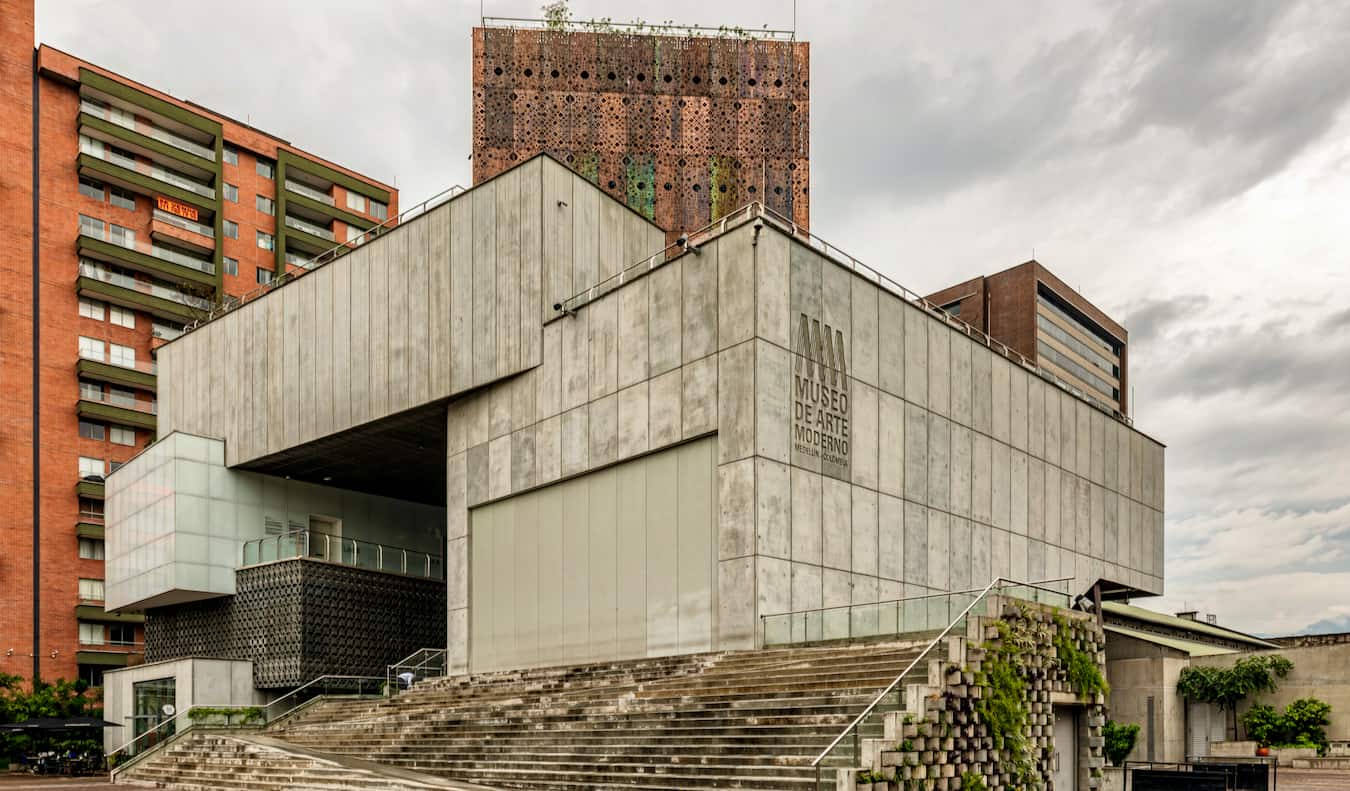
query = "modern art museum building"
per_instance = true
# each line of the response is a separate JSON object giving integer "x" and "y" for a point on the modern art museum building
{"x": 520, "y": 427}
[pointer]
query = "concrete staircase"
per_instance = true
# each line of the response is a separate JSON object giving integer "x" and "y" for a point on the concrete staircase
{"x": 211, "y": 760}
{"x": 751, "y": 719}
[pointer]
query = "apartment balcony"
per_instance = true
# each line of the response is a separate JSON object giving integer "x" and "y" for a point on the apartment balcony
{"x": 142, "y": 176}
{"x": 181, "y": 231}
{"x": 122, "y": 411}
{"x": 311, "y": 201}
{"x": 146, "y": 138}
{"x": 139, "y": 375}
{"x": 158, "y": 260}
{"x": 89, "y": 527}
{"x": 90, "y": 487}
{"x": 103, "y": 282}
{"x": 308, "y": 237}
{"x": 95, "y": 613}
{"x": 110, "y": 654}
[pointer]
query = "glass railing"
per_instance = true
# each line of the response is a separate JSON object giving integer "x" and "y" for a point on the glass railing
{"x": 309, "y": 192}
{"x": 184, "y": 223}
{"x": 310, "y": 228}
{"x": 342, "y": 551}
{"x": 148, "y": 248}
{"x": 128, "y": 121}
{"x": 122, "y": 402}
{"x": 164, "y": 332}
{"x": 846, "y": 749}
{"x": 140, "y": 365}
{"x": 295, "y": 259}
{"x": 917, "y": 614}
{"x": 93, "y": 270}
{"x": 98, "y": 149}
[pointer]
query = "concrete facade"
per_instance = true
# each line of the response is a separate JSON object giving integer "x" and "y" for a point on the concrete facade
{"x": 197, "y": 682}
{"x": 866, "y": 449}
{"x": 1319, "y": 672}
{"x": 1143, "y": 678}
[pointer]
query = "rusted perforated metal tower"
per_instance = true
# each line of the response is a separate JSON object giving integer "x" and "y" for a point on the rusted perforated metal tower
{"x": 683, "y": 128}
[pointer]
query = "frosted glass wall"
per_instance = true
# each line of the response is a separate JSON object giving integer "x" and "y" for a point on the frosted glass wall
{"x": 177, "y": 520}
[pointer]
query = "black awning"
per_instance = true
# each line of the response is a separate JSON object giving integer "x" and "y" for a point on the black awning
{"x": 57, "y": 724}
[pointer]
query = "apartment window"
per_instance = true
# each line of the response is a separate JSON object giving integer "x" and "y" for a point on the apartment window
{"x": 90, "y": 188}
{"x": 91, "y": 348}
{"x": 266, "y": 241}
{"x": 231, "y": 266}
{"x": 379, "y": 210}
{"x": 91, "y": 675}
{"x": 121, "y": 435}
{"x": 91, "y": 309}
{"x": 91, "y": 548}
{"x": 90, "y": 633}
{"x": 91, "y": 509}
{"x": 123, "y": 356}
{"x": 90, "y": 467}
{"x": 89, "y": 145}
{"x": 121, "y": 236}
{"x": 121, "y": 397}
{"x": 91, "y": 430}
{"x": 356, "y": 202}
{"x": 230, "y": 155}
{"x": 91, "y": 226}
{"x": 91, "y": 590}
{"x": 121, "y": 198}
{"x": 122, "y": 156}
{"x": 114, "y": 466}
{"x": 232, "y": 229}
{"x": 122, "y": 317}
{"x": 355, "y": 235}
{"x": 121, "y": 633}
{"x": 91, "y": 391}
{"x": 265, "y": 168}
{"x": 231, "y": 193}
{"x": 166, "y": 329}
{"x": 264, "y": 276}
{"x": 265, "y": 205}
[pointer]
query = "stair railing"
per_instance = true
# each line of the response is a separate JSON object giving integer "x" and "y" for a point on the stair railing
{"x": 322, "y": 686}
{"x": 421, "y": 664}
{"x": 882, "y": 703}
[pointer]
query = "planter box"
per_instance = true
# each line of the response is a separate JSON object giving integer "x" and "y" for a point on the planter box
{"x": 1232, "y": 750}
{"x": 1113, "y": 779}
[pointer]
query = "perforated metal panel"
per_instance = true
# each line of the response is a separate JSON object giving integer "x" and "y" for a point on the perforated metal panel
{"x": 682, "y": 130}
{"x": 300, "y": 619}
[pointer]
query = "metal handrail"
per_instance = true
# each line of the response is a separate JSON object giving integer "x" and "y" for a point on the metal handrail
{"x": 301, "y": 542}
{"x": 984, "y": 592}
{"x": 269, "y": 717}
{"x": 609, "y": 26}
{"x": 230, "y": 303}
{"x": 174, "y": 719}
{"x": 426, "y": 657}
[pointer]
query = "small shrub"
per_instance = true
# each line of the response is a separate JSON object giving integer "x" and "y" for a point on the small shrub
{"x": 907, "y": 746}
{"x": 1120, "y": 738}
{"x": 1305, "y": 722}
{"x": 1262, "y": 724}
{"x": 973, "y": 782}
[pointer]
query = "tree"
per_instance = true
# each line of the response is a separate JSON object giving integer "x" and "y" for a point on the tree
{"x": 1120, "y": 738}
{"x": 60, "y": 699}
{"x": 1226, "y": 687}
{"x": 556, "y": 15}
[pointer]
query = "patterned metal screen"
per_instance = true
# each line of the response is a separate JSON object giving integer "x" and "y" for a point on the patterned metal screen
{"x": 683, "y": 130}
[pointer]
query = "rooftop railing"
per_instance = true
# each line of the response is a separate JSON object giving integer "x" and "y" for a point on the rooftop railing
{"x": 638, "y": 28}
{"x": 343, "y": 552}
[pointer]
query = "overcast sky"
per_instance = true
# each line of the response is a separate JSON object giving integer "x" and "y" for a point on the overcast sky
{"x": 1185, "y": 165}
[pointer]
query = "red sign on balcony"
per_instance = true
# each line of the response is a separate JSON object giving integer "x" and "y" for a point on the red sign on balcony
{"x": 174, "y": 207}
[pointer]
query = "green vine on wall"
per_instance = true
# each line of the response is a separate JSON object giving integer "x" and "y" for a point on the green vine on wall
{"x": 1080, "y": 667}
{"x": 1003, "y": 706}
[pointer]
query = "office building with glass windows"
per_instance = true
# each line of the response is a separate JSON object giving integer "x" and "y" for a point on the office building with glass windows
{"x": 1051, "y": 325}
{"x": 127, "y": 213}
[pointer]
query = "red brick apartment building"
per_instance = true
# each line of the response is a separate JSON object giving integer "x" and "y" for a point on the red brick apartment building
{"x": 144, "y": 210}
{"x": 1038, "y": 315}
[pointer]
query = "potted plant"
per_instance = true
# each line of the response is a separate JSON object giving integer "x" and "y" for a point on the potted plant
{"x": 1263, "y": 725}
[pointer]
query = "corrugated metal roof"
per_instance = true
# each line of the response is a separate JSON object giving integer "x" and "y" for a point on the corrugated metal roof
{"x": 1190, "y": 647}
{"x": 1171, "y": 621}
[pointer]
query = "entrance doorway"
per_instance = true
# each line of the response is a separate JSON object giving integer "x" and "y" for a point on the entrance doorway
{"x": 1065, "y": 776}
{"x": 153, "y": 702}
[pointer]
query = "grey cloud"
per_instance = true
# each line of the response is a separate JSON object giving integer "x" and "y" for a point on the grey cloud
{"x": 1337, "y": 321}
{"x": 1150, "y": 319}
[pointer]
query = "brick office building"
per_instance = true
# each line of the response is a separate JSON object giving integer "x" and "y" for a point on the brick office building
{"x": 150, "y": 209}
{"x": 681, "y": 127}
{"x": 1039, "y": 316}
